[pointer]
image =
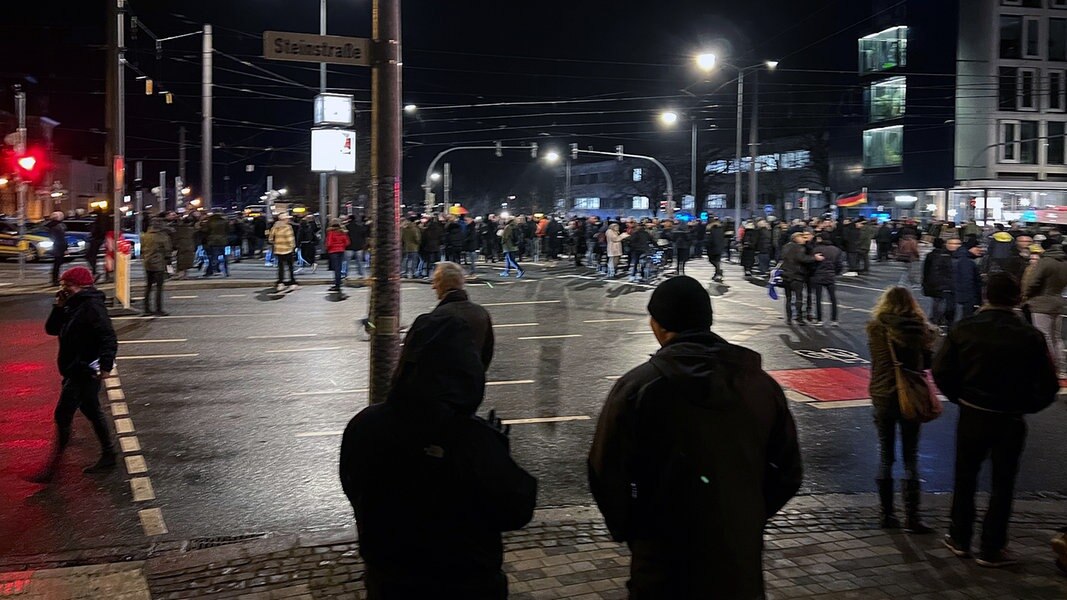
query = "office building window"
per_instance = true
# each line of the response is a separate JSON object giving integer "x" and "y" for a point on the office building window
{"x": 1007, "y": 88}
{"x": 1018, "y": 142}
{"x": 884, "y": 50}
{"x": 1057, "y": 39}
{"x": 586, "y": 203}
{"x": 1055, "y": 143}
{"x": 1011, "y": 36}
{"x": 1009, "y": 141}
{"x": 1031, "y": 37}
{"x": 640, "y": 202}
{"x": 886, "y": 99}
{"x": 1025, "y": 3}
{"x": 798, "y": 159}
{"x": 638, "y": 174}
{"x": 1057, "y": 82}
{"x": 714, "y": 201}
{"x": 1027, "y": 91}
{"x": 1028, "y": 142}
{"x": 883, "y": 148}
{"x": 1057, "y": 3}
{"x": 689, "y": 203}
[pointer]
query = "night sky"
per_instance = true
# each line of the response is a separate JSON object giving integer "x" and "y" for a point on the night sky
{"x": 632, "y": 57}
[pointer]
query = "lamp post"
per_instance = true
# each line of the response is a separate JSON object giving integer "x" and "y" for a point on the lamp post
{"x": 669, "y": 118}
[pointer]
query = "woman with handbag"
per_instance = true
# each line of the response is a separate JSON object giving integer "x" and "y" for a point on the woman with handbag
{"x": 900, "y": 340}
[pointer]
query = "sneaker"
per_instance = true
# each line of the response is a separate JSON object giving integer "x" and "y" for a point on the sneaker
{"x": 162, "y": 313}
{"x": 505, "y": 274}
{"x": 850, "y": 274}
{"x": 279, "y": 287}
{"x": 817, "y": 323}
{"x": 103, "y": 465}
{"x": 997, "y": 560}
{"x": 333, "y": 288}
{"x": 956, "y": 548}
{"x": 520, "y": 274}
{"x": 294, "y": 286}
{"x": 834, "y": 324}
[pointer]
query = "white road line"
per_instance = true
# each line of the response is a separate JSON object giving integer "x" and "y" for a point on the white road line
{"x": 152, "y": 521}
{"x": 319, "y": 434}
{"x": 860, "y": 287}
{"x": 170, "y": 341}
{"x": 862, "y": 310}
{"x": 520, "y": 303}
{"x": 124, "y": 426}
{"x": 796, "y": 396}
{"x": 281, "y": 336}
{"x": 841, "y": 404}
{"x": 551, "y": 337}
{"x": 119, "y": 409}
{"x": 499, "y": 325}
{"x": 156, "y": 356}
{"x": 613, "y": 377}
{"x": 647, "y": 332}
{"x": 182, "y": 297}
{"x": 515, "y": 382}
{"x": 112, "y": 382}
{"x": 115, "y": 394}
{"x": 320, "y": 349}
{"x": 228, "y": 316}
{"x": 135, "y": 465}
{"x": 114, "y": 373}
{"x": 142, "y": 489}
{"x": 761, "y": 327}
{"x": 130, "y": 444}
{"x": 544, "y": 420}
{"x": 609, "y": 320}
{"x": 232, "y": 295}
{"x": 331, "y": 392}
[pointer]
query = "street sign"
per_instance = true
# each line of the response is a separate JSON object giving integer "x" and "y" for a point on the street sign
{"x": 306, "y": 47}
{"x": 333, "y": 151}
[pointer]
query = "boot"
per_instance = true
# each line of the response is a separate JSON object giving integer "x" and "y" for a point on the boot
{"x": 47, "y": 472}
{"x": 106, "y": 463}
{"x": 912, "y": 522}
{"x": 885, "y": 495}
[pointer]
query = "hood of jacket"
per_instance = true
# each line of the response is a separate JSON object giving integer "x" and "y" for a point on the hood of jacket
{"x": 701, "y": 364}
{"x": 439, "y": 366}
{"x": 89, "y": 294}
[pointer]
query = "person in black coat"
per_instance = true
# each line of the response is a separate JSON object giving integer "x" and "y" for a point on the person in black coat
{"x": 716, "y": 244}
{"x": 358, "y": 241}
{"x": 430, "y": 245}
{"x": 433, "y": 486}
{"x": 968, "y": 279}
{"x": 939, "y": 281}
{"x": 797, "y": 264}
{"x": 453, "y": 239}
{"x": 682, "y": 239}
{"x": 58, "y": 234}
{"x": 453, "y": 300}
{"x": 883, "y": 239}
{"x": 694, "y": 451}
{"x": 471, "y": 243}
{"x": 87, "y": 348}
{"x": 824, "y": 276}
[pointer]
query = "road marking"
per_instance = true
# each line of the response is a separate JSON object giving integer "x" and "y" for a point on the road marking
{"x": 551, "y": 337}
{"x": 156, "y": 356}
{"x": 319, "y": 349}
{"x": 521, "y": 303}
{"x": 278, "y": 337}
{"x": 515, "y": 382}
{"x": 152, "y": 521}
{"x": 841, "y": 404}
{"x": 544, "y": 420}
{"x": 760, "y": 327}
{"x": 319, "y": 434}
{"x": 331, "y": 392}
{"x": 135, "y": 465}
{"x": 115, "y": 394}
{"x": 613, "y": 377}
{"x": 170, "y": 341}
{"x": 232, "y": 295}
{"x": 124, "y": 425}
{"x": 142, "y": 489}
{"x": 130, "y": 444}
{"x": 861, "y": 287}
{"x": 796, "y": 396}
{"x": 112, "y": 382}
{"x": 609, "y": 320}
{"x": 119, "y": 409}
{"x": 115, "y": 373}
{"x": 498, "y": 326}
{"x": 646, "y": 332}
{"x": 229, "y": 316}
{"x": 183, "y": 297}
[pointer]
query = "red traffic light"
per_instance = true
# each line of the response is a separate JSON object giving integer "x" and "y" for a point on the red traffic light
{"x": 27, "y": 164}
{"x": 30, "y": 166}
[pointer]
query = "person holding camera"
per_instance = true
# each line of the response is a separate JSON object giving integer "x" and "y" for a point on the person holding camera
{"x": 87, "y": 348}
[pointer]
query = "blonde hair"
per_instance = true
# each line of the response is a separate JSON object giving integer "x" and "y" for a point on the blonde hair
{"x": 897, "y": 300}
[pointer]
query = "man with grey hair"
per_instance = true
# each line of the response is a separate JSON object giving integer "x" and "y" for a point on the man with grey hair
{"x": 448, "y": 279}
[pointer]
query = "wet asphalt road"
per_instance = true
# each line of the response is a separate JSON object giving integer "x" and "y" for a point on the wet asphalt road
{"x": 239, "y": 413}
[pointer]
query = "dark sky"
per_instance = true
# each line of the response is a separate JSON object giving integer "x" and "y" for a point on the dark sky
{"x": 455, "y": 54}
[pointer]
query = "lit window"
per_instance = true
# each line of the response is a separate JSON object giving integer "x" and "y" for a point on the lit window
{"x": 639, "y": 174}
{"x": 718, "y": 166}
{"x": 884, "y": 50}
{"x": 640, "y": 202}
{"x": 887, "y": 99}
{"x": 689, "y": 203}
{"x": 586, "y": 203}
{"x": 715, "y": 201}
{"x": 883, "y": 148}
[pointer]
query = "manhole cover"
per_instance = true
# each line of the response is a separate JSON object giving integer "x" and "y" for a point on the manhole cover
{"x": 223, "y": 540}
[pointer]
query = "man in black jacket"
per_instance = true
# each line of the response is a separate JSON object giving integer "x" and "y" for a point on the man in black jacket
{"x": 694, "y": 451}
{"x": 58, "y": 234}
{"x": 796, "y": 264}
{"x": 717, "y": 243}
{"x": 432, "y": 486}
{"x": 970, "y": 370}
{"x": 87, "y": 348}
{"x": 825, "y": 276}
{"x": 358, "y": 240}
{"x": 448, "y": 284}
{"x": 939, "y": 281}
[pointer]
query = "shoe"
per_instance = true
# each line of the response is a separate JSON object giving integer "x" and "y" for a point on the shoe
{"x": 106, "y": 463}
{"x": 997, "y": 560}
{"x": 314, "y": 267}
{"x": 279, "y": 287}
{"x": 520, "y": 274}
{"x": 162, "y": 313}
{"x": 956, "y": 548}
{"x": 912, "y": 522}
{"x": 146, "y": 313}
{"x": 834, "y": 324}
{"x": 294, "y": 286}
{"x": 505, "y": 274}
{"x": 817, "y": 323}
{"x": 333, "y": 288}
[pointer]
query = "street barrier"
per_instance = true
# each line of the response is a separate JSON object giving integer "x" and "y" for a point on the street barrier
{"x": 122, "y": 273}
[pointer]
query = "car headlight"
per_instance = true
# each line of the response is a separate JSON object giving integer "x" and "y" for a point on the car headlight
{"x": 81, "y": 243}
{"x": 46, "y": 244}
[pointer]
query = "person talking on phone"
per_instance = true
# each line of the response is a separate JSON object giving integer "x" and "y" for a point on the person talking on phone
{"x": 87, "y": 348}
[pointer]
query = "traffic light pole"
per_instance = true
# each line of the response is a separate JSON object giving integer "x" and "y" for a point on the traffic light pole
{"x": 20, "y": 149}
{"x": 118, "y": 120}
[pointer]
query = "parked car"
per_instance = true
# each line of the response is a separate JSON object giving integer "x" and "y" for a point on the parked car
{"x": 82, "y": 228}
{"x": 36, "y": 244}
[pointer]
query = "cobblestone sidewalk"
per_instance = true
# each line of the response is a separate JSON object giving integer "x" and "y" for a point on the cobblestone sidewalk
{"x": 825, "y": 547}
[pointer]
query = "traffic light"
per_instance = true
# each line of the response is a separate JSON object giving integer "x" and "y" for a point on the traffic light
{"x": 574, "y": 151}
{"x": 29, "y": 166}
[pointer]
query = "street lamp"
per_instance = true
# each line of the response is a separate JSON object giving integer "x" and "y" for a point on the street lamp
{"x": 552, "y": 156}
{"x": 410, "y": 108}
{"x": 706, "y": 61}
{"x": 435, "y": 177}
{"x": 668, "y": 117}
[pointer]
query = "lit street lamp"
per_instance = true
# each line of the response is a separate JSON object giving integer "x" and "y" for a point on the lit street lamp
{"x": 706, "y": 61}
{"x": 410, "y": 108}
{"x": 668, "y": 117}
{"x": 552, "y": 156}
{"x": 435, "y": 177}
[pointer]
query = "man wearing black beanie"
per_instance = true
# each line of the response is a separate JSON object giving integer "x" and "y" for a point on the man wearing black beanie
{"x": 694, "y": 451}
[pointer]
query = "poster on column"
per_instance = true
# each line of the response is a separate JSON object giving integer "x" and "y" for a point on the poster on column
{"x": 333, "y": 151}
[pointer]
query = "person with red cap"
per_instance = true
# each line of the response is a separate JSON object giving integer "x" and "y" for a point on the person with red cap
{"x": 87, "y": 348}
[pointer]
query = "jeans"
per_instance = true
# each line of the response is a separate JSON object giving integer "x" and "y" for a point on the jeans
{"x": 794, "y": 294}
{"x": 81, "y": 393}
{"x": 429, "y": 259}
{"x": 509, "y": 262}
{"x": 154, "y": 278}
{"x": 863, "y": 261}
{"x": 637, "y": 267}
{"x": 613, "y": 264}
{"x": 943, "y": 309}
{"x": 831, "y": 291}
{"x": 764, "y": 260}
{"x": 58, "y": 254}
{"x": 285, "y": 261}
{"x": 472, "y": 259}
{"x": 358, "y": 258}
{"x": 886, "y": 421}
{"x": 1051, "y": 327}
{"x": 410, "y": 266}
{"x": 337, "y": 260}
{"x": 213, "y": 253}
{"x": 910, "y": 277}
{"x": 979, "y": 435}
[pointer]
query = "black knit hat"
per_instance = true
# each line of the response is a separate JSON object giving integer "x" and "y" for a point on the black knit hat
{"x": 681, "y": 304}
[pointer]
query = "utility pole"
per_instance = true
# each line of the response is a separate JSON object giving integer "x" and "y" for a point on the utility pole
{"x": 740, "y": 124}
{"x": 118, "y": 120}
{"x": 322, "y": 90}
{"x": 139, "y": 195}
{"x": 269, "y": 216}
{"x": 753, "y": 146}
{"x": 162, "y": 196}
{"x": 693, "y": 170}
{"x": 181, "y": 152}
{"x": 385, "y": 196}
{"x": 447, "y": 185}
{"x": 20, "y": 149}
{"x": 205, "y": 121}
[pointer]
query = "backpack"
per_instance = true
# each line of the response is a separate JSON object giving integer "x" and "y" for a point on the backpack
{"x": 907, "y": 249}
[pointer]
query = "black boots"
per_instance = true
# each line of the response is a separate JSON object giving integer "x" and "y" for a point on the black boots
{"x": 105, "y": 463}
{"x": 912, "y": 522}
{"x": 885, "y": 495}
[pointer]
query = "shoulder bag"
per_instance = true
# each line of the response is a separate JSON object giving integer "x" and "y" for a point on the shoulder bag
{"x": 915, "y": 392}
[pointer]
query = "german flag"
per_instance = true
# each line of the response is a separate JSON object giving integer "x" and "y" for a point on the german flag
{"x": 853, "y": 199}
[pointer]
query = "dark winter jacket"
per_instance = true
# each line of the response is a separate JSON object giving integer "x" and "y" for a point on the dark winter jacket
{"x": 216, "y": 231}
{"x": 155, "y": 249}
{"x": 185, "y": 244}
{"x": 968, "y": 280}
{"x": 884, "y": 235}
{"x": 1044, "y": 290}
{"x": 716, "y": 240}
{"x": 938, "y": 274}
{"x": 832, "y": 265}
{"x": 912, "y": 339}
{"x": 640, "y": 241}
{"x": 57, "y": 232}
{"x": 458, "y": 304}
{"x": 431, "y": 237}
{"x": 694, "y": 451}
{"x": 85, "y": 334}
{"x": 763, "y": 240}
{"x": 358, "y": 234}
{"x": 427, "y": 478}
{"x": 453, "y": 236}
{"x": 851, "y": 236}
{"x": 997, "y": 362}
{"x": 796, "y": 263}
